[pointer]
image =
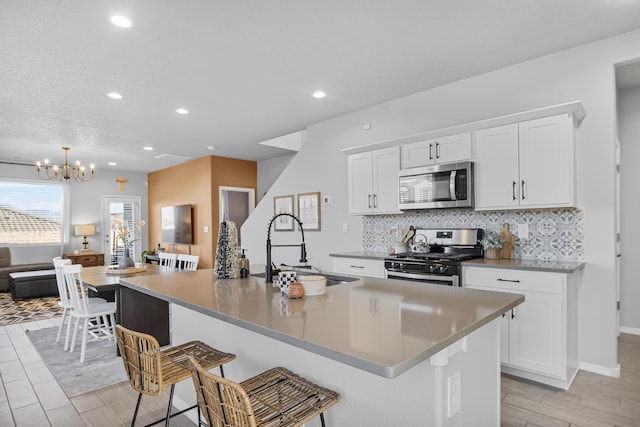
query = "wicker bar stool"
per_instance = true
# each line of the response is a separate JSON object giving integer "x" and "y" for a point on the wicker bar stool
{"x": 151, "y": 370}
{"x": 274, "y": 398}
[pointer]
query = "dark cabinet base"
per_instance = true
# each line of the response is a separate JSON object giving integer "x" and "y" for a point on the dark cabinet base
{"x": 144, "y": 313}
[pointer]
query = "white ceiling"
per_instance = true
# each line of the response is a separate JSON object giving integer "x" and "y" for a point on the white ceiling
{"x": 246, "y": 69}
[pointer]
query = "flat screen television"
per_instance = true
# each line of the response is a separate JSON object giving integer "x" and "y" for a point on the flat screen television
{"x": 177, "y": 225}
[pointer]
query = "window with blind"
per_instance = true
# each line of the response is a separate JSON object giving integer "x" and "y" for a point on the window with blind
{"x": 30, "y": 213}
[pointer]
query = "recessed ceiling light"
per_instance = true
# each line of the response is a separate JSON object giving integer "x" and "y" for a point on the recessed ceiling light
{"x": 319, "y": 94}
{"x": 112, "y": 163}
{"x": 121, "y": 21}
{"x": 148, "y": 148}
{"x": 182, "y": 111}
{"x": 211, "y": 147}
{"x": 114, "y": 95}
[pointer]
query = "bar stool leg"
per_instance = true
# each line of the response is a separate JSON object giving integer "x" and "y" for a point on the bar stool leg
{"x": 173, "y": 386}
{"x": 135, "y": 413}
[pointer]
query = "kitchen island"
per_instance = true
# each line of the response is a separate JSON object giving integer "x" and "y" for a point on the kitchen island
{"x": 399, "y": 353}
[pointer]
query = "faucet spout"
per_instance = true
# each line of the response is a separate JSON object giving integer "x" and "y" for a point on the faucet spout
{"x": 303, "y": 248}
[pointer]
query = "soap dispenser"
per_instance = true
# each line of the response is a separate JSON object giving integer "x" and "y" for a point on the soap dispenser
{"x": 244, "y": 265}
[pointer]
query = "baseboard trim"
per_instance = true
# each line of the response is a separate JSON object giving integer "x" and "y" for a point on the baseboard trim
{"x": 601, "y": 370}
{"x": 627, "y": 330}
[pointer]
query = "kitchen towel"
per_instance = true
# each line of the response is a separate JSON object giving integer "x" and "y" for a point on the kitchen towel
{"x": 226, "y": 265}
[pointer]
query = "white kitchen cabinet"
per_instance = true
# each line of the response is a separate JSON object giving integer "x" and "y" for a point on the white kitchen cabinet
{"x": 538, "y": 337}
{"x": 527, "y": 164}
{"x": 359, "y": 266}
{"x": 373, "y": 182}
{"x": 447, "y": 149}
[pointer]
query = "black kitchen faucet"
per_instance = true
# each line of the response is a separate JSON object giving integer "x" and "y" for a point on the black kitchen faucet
{"x": 303, "y": 248}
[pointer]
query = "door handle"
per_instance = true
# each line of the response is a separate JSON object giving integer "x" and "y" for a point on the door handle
{"x": 523, "y": 189}
{"x": 437, "y": 150}
{"x": 513, "y": 190}
{"x": 507, "y": 280}
{"x": 513, "y": 314}
{"x": 430, "y": 151}
{"x": 375, "y": 200}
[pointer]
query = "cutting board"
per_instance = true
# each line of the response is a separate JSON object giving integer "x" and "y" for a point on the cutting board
{"x": 506, "y": 252}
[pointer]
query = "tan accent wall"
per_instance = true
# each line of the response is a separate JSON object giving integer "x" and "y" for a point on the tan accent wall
{"x": 196, "y": 183}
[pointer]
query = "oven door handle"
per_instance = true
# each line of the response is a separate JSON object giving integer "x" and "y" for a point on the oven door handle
{"x": 418, "y": 276}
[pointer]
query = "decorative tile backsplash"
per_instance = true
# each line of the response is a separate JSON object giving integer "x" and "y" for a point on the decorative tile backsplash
{"x": 554, "y": 234}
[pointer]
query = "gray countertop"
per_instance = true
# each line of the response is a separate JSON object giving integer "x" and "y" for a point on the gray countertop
{"x": 527, "y": 264}
{"x": 361, "y": 254}
{"x": 411, "y": 322}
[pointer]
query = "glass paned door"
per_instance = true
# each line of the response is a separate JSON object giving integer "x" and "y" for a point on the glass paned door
{"x": 119, "y": 211}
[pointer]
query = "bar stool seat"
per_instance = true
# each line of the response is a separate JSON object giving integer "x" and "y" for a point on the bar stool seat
{"x": 274, "y": 398}
{"x": 151, "y": 370}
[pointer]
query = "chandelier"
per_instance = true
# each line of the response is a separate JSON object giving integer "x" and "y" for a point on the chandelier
{"x": 77, "y": 172}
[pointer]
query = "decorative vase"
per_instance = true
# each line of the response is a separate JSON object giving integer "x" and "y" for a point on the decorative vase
{"x": 126, "y": 260}
{"x": 296, "y": 290}
{"x": 492, "y": 253}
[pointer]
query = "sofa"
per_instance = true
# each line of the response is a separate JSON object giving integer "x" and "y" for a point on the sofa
{"x": 7, "y": 268}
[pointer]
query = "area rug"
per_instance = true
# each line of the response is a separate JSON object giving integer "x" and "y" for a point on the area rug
{"x": 101, "y": 367}
{"x": 27, "y": 310}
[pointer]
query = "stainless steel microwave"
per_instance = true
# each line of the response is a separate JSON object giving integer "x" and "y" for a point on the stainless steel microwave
{"x": 447, "y": 185}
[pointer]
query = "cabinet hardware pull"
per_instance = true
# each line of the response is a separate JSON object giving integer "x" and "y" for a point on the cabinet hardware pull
{"x": 375, "y": 200}
{"x": 523, "y": 189}
{"x": 504, "y": 314}
{"x": 507, "y": 280}
{"x": 356, "y": 266}
{"x": 369, "y": 201}
{"x": 513, "y": 315}
{"x": 437, "y": 150}
{"x": 430, "y": 151}
{"x": 513, "y": 190}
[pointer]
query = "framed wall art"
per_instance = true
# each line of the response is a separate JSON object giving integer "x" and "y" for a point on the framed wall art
{"x": 283, "y": 204}
{"x": 309, "y": 210}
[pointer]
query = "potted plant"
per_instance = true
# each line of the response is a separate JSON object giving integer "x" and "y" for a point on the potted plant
{"x": 492, "y": 243}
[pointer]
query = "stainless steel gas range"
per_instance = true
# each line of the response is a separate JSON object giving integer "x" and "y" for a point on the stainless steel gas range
{"x": 436, "y": 256}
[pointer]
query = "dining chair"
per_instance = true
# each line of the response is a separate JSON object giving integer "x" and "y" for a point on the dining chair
{"x": 95, "y": 320}
{"x": 188, "y": 262}
{"x": 274, "y": 398}
{"x": 151, "y": 370}
{"x": 167, "y": 260}
{"x": 65, "y": 301}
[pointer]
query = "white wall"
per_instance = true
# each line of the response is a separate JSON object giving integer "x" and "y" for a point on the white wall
{"x": 268, "y": 172}
{"x": 629, "y": 136}
{"x": 585, "y": 73}
{"x": 85, "y": 203}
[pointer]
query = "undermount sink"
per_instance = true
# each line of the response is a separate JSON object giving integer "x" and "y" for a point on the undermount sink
{"x": 332, "y": 279}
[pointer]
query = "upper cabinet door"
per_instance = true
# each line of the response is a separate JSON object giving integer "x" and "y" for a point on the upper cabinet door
{"x": 373, "y": 182}
{"x": 496, "y": 167}
{"x": 360, "y": 170}
{"x": 547, "y": 162}
{"x": 453, "y": 148}
{"x": 447, "y": 149}
{"x": 386, "y": 164}
{"x": 416, "y": 154}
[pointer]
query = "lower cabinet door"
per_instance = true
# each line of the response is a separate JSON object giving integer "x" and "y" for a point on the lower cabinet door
{"x": 535, "y": 334}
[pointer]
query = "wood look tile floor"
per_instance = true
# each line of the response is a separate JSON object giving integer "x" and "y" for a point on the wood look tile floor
{"x": 30, "y": 396}
{"x": 593, "y": 400}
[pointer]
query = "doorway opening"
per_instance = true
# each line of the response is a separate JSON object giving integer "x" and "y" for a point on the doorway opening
{"x": 121, "y": 210}
{"x": 236, "y": 204}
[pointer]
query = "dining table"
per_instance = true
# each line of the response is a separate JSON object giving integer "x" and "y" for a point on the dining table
{"x": 134, "y": 310}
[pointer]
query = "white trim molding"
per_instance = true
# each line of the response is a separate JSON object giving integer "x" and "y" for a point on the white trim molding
{"x": 628, "y": 330}
{"x": 601, "y": 370}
